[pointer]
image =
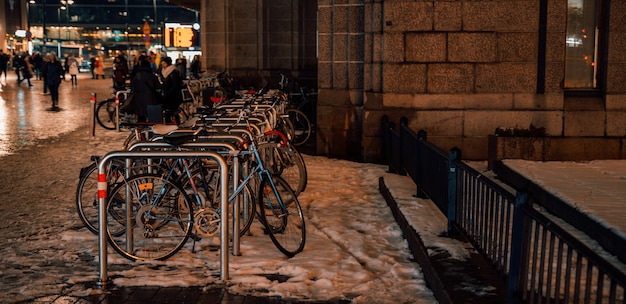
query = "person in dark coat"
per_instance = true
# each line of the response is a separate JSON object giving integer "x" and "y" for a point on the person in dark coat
{"x": 53, "y": 73}
{"x": 172, "y": 87}
{"x": 143, "y": 85}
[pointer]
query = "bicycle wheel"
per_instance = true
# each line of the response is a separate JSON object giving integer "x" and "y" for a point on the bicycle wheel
{"x": 160, "y": 222}
{"x": 87, "y": 192}
{"x": 207, "y": 197}
{"x": 301, "y": 126}
{"x": 284, "y": 223}
{"x": 289, "y": 165}
{"x": 105, "y": 114}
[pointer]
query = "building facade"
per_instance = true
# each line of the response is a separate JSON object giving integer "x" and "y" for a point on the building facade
{"x": 456, "y": 69}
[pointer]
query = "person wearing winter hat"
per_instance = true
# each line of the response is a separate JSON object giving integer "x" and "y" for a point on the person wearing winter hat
{"x": 172, "y": 86}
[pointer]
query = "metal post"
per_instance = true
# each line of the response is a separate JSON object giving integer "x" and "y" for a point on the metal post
{"x": 453, "y": 155}
{"x": 517, "y": 248}
{"x": 92, "y": 117}
{"x": 103, "y": 278}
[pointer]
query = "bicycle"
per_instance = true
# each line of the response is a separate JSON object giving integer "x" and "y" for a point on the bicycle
{"x": 165, "y": 218}
{"x": 106, "y": 110}
{"x": 299, "y": 119}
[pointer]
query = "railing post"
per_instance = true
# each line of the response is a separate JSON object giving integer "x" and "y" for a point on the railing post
{"x": 453, "y": 155}
{"x": 518, "y": 239}
{"x": 387, "y": 128}
{"x": 421, "y": 176}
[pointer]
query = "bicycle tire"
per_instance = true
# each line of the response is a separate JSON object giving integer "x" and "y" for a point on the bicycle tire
{"x": 291, "y": 167}
{"x": 87, "y": 193}
{"x": 301, "y": 126}
{"x": 285, "y": 226}
{"x": 105, "y": 114}
{"x": 161, "y": 222}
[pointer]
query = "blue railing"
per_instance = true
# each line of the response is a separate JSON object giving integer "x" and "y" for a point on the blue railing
{"x": 540, "y": 261}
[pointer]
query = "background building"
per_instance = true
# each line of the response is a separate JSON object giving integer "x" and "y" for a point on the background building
{"x": 459, "y": 70}
{"x": 90, "y": 27}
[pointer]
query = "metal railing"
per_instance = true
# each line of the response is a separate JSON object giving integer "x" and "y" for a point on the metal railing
{"x": 537, "y": 254}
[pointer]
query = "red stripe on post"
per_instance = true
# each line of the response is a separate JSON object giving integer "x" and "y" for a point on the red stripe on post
{"x": 102, "y": 185}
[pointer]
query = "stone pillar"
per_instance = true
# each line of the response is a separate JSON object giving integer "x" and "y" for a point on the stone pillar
{"x": 340, "y": 78}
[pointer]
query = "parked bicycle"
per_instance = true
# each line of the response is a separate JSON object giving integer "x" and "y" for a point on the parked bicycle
{"x": 164, "y": 213}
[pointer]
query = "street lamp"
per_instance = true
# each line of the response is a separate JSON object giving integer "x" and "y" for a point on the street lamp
{"x": 64, "y": 5}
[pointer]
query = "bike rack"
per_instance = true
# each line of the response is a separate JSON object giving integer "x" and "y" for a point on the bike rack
{"x": 117, "y": 106}
{"x": 102, "y": 193}
{"x": 203, "y": 145}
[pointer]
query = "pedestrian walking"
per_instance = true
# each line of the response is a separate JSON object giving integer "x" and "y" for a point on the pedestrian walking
{"x": 99, "y": 67}
{"x": 37, "y": 61}
{"x": 53, "y": 71}
{"x": 18, "y": 61}
{"x": 92, "y": 66}
{"x": 4, "y": 64}
{"x": 46, "y": 59}
{"x": 172, "y": 86}
{"x": 73, "y": 70}
{"x": 27, "y": 70}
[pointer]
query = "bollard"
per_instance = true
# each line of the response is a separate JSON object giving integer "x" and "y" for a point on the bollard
{"x": 117, "y": 112}
{"x": 92, "y": 100}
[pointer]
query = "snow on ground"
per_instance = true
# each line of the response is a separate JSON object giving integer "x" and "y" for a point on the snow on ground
{"x": 354, "y": 249}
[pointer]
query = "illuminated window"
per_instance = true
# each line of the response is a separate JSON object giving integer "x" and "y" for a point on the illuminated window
{"x": 581, "y": 44}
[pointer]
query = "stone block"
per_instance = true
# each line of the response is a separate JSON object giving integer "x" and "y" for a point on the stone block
{"x": 405, "y": 16}
{"x": 617, "y": 42}
{"x": 355, "y": 76}
{"x": 557, "y": 17}
{"x": 340, "y": 75}
{"x": 440, "y": 123}
{"x": 355, "y": 20}
{"x": 404, "y": 78}
{"x": 340, "y": 19}
{"x": 463, "y": 101}
{"x": 617, "y": 21}
{"x": 393, "y": 47}
{"x": 340, "y": 49}
{"x": 506, "y": 77}
{"x": 425, "y": 47}
{"x": 584, "y": 123}
{"x": 373, "y": 101}
{"x": 483, "y": 123}
{"x": 615, "y": 102}
{"x": 325, "y": 48}
{"x": 324, "y": 76}
{"x": 448, "y": 16}
{"x": 616, "y": 77}
{"x": 325, "y": 24}
{"x": 517, "y": 47}
{"x": 501, "y": 16}
{"x": 472, "y": 47}
{"x": 450, "y": 78}
{"x": 554, "y": 75}
{"x": 356, "y": 51}
{"x": 529, "y": 101}
{"x": 555, "y": 48}
{"x": 615, "y": 123}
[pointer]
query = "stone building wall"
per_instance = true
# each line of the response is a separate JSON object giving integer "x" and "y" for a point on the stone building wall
{"x": 255, "y": 39}
{"x": 458, "y": 70}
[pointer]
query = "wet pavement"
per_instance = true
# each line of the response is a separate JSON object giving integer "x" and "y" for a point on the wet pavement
{"x": 26, "y": 114}
{"x": 26, "y": 118}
